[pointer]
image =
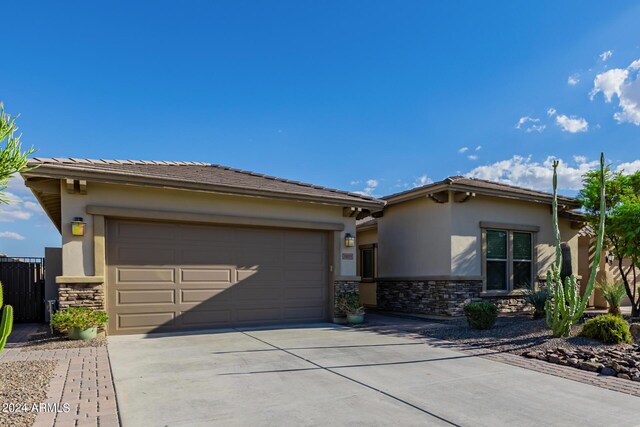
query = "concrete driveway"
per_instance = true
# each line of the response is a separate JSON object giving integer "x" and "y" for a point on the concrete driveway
{"x": 328, "y": 375}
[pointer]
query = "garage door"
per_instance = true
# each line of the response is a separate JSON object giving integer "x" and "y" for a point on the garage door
{"x": 165, "y": 276}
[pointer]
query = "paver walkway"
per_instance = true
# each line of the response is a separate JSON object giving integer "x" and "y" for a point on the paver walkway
{"x": 82, "y": 379}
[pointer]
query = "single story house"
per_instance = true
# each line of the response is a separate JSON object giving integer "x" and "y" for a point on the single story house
{"x": 437, "y": 247}
{"x": 164, "y": 246}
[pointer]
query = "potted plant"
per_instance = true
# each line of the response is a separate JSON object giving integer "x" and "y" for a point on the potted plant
{"x": 349, "y": 303}
{"x": 78, "y": 322}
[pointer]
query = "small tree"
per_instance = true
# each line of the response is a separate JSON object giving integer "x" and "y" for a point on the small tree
{"x": 12, "y": 160}
{"x": 622, "y": 217}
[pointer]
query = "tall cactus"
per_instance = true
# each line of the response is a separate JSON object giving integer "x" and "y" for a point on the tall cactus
{"x": 565, "y": 306}
{"x": 6, "y": 324}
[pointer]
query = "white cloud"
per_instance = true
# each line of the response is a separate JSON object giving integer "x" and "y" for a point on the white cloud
{"x": 422, "y": 180}
{"x": 22, "y": 206}
{"x": 463, "y": 149}
{"x": 372, "y": 184}
{"x": 573, "y": 79}
{"x": 472, "y": 157}
{"x": 572, "y": 124}
{"x": 530, "y": 124}
{"x": 479, "y": 147}
{"x": 551, "y": 112}
{"x": 11, "y": 235}
{"x": 625, "y": 85}
{"x": 523, "y": 172}
{"x": 629, "y": 167}
{"x": 355, "y": 182}
{"x": 604, "y": 56}
{"x": 579, "y": 159}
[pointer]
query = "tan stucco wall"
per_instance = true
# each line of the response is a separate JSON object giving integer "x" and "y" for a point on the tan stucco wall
{"x": 466, "y": 240}
{"x": 415, "y": 239}
{"x": 78, "y": 251}
{"x": 367, "y": 289}
{"x": 422, "y": 238}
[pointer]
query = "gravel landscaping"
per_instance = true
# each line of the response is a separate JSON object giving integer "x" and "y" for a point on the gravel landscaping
{"x": 23, "y": 383}
{"x": 531, "y": 338}
{"x": 44, "y": 340}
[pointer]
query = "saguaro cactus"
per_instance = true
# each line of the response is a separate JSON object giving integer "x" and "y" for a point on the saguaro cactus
{"x": 565, "y": 306}
{"x": 6, "y": 324}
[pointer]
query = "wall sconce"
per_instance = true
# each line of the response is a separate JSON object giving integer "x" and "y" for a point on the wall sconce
{"x": 610, "y": 258}
{"x": 77, "y": 226}
{"x": 349, "y": 240}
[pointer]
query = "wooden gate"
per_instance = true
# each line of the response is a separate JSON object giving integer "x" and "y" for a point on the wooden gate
{"x": 23, "y": 284}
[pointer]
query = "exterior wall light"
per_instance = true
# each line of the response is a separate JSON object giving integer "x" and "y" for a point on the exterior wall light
{"x": 610, "y": 258}
{"x": 349, "y": 240}
{"x": 77, "y": 226}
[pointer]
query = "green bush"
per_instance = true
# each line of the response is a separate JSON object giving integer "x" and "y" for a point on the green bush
{"x": 78, "y": 317}
{"x": 607, "y": 328}
{"x": 481, "y": 314}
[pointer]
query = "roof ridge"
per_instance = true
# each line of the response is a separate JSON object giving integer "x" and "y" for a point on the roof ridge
{"x": 518, "y": 187}
{"x": 73, "y": 160}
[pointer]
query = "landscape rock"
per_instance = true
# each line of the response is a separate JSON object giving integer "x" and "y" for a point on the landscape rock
{"x": 608, "y": 371}
{"x": 635, "y": 331}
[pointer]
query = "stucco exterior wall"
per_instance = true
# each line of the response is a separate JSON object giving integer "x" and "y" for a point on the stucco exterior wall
{"x": 466, "y": 240}
{"x": 422, "y": 238}
{"x": 78, "y": 257}
{"x": 367, "y": 288}
{"x": 415, "y": 239}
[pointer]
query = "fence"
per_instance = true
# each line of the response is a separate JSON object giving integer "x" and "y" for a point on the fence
{"x": 23, "y": 284}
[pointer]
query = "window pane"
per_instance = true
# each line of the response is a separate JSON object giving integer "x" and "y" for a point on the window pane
{"x": 496, "y": 275}
{"x": 522, "y": 275}
{"x": 522, "y": 246}
{"x": 496, "y": 244}
{"x": 367, "y": 263}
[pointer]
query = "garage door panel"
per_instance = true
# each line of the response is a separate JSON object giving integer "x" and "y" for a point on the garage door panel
{"x": 199, "y": 235}
{"x": 152, "y": 296}
{"x": 311, "y": 313}
{"x": 137, "y": 275}
{"x": 136, "y": 230}
{"x": 209, "y": 318}
{"x": 306, "y": 275}
{"x": 145, "y": 320}
{"x": 191, "y": 296}
{"x": 193, "y": 255}
{"x": 213, "y": 277}
{"x": 144, "y": 255}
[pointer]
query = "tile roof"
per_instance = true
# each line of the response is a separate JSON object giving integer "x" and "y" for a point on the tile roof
{"x": 186, "y": 174}
{"x": 481, "y": 185}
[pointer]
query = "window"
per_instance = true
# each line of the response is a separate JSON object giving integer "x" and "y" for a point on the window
{"x": 509, "y": 260}
{"x": 367, "y": 263}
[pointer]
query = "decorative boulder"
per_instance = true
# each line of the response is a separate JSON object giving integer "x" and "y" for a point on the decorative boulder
{"x": 635, "y": 331}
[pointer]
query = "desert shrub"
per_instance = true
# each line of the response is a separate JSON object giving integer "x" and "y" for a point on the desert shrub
{"x": 613, "y": 294}
{"x": 607, "y": 328}
{"x": 481, "y": 314}
{"x": 78, "y": 317}
{"x": 538, "y": 299}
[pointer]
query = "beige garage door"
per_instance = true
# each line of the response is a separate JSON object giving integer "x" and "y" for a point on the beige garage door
{"x": 164, "y": 277}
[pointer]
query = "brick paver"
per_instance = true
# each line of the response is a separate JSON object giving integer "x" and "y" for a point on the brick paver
{"x": 82, "y": 380}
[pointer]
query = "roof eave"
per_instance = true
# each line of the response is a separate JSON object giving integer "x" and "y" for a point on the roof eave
{"x": 59, "y": 172}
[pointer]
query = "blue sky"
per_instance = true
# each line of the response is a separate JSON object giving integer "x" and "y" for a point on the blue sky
{"x": 364, "y": 96}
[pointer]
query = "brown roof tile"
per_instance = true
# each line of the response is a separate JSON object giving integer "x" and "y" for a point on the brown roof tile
{"x": 188, "y": 174}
